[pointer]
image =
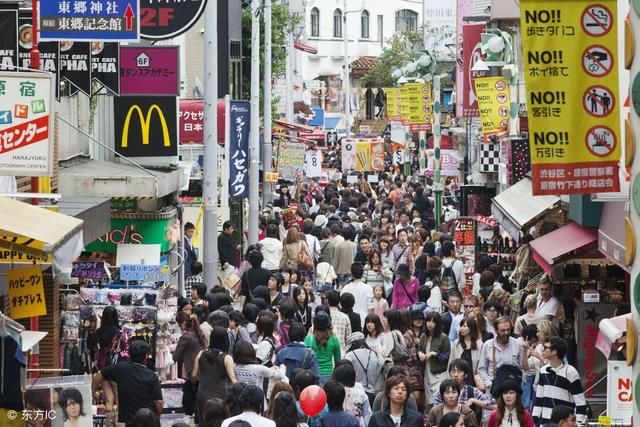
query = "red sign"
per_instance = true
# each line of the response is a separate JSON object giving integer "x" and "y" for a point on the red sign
{"x": 24, "y": 134}
{"x": 486, "y": 220}
{"x": 471, "y": 34}
{"x": 191, "y": 121}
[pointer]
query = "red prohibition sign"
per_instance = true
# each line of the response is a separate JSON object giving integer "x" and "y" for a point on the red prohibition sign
{"x": 598, "y": 101}
{"x": 597, "y": 61}
{"x": 600, "y": 140}
{"x": 593, "y": 20}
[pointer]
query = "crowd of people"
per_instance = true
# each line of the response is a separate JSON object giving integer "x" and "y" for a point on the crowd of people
{"x": 353, "y": 288}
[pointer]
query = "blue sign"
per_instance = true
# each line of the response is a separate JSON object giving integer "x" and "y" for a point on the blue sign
{"x": 318, "y": 116}
{"x": 90, "y": 20}
{"x": 239, "y": 149}
{"x": 145, "y": 273}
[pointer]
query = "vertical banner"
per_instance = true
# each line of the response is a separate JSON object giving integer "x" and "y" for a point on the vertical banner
{"x": 105, "y": 62}
{"x": 363, "y": 161}
{"x": 75, "y": 65}
{"x": 239, "y": 149}
{"x": 9, "y": 39}
{"x": 440, "y": 33}
{"x": 620, "y": 391}
{"x": 472, "y": 53}
{"x": 377, "y": 155}
{"x": 348, "y": 154}
{"x": 464, "y": 8}
{"x": 569, "y": 52}
{"x": 493, "y": 105}
{"x": 405, "y": 104}
{"x": 393, "y": 104}
{"x": 464, "y": 236}
{"x": 420, "y": 106}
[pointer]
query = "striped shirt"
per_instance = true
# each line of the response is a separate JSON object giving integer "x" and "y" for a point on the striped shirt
{"x": 559, "y": 386}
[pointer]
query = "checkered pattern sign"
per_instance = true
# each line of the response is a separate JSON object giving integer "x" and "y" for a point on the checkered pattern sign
{"x": 489, "y": 157}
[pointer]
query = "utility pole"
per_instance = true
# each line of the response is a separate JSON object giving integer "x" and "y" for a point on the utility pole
{"x": 267, "y": 187}
{"x": 347, "y": 85}
{"x": 210, "y": 178}
{"x": 254, "y": 137}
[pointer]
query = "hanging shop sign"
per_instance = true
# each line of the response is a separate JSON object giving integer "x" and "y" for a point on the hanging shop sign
{"x": 240, "y": 123}
{"x": 441, "y": 31}
{"x": 109, "y": 20}
{"x": 620, "y": 391}
{"x": 569, "y": 53}
{"x": 348, "y": 154}
{"x": 464, "y": 8}
{"x": 145, "y": 273}
{"x": 291, "y": 159}
{"x": 393, "y": 104}
{"x": 191, "y": 120}
{"x": 149, "y": 70}
{"x": 369, "y": 155}
{"x": 146, "y": 126}
{"x": 420, "y": 106}
{"x": 313, "y": 164}
{"x": 105, "y": 61}
{"x": 9, "y": 39}
{"x": 472, "y": 48}
{"x": 449, "y": 164}
{"x": 405, "y": 104}
{"x": 75, "y": 64}
{"x": 94, "y": 270}
{"x": 25, "y": 123}
{"x": 492, "y": 94}
{"x": 464, "y": 236}
{"x": 26, "y": 293}
{"x": 161, "y": 20}
{"x": 134, "y": 232}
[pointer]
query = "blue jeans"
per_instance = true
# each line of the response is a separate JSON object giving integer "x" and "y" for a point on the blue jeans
{"x": 323, "y": 379}
{"x": 527, "y": 392}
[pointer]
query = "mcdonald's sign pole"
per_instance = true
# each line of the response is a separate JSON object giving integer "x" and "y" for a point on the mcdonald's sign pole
{"x": 210, "y": 178}
{"x": 254, "y": 139}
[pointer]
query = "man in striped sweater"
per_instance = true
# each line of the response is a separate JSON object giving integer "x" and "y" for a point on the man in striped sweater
{"x": 559, "y": 385}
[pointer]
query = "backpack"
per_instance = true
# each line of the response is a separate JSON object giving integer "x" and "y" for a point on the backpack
{"x": 295, "y": 364}
{"x": 448, "y": 280}
{"x": 504, "y": 373}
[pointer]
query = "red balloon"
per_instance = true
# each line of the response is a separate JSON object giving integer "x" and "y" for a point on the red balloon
{"x": 313, "y": 400}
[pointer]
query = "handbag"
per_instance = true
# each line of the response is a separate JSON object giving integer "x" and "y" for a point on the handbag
{"x": 304, "y": 260}
{"x": 399, "y": 353}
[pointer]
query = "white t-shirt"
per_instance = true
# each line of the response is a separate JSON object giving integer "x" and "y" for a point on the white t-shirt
{"x": 548, "y": 308}
{"x": 363, "y": 295}
{"x": 252, "y": 418}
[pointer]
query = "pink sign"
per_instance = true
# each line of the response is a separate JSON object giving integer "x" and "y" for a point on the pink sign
{"x": 464, "y": 8}
{"x": 149, "y": 70}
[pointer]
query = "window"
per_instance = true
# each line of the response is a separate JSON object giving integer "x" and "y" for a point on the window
{"x": 364, "y": 24}
{"x": 406, "y": 20}
{"x": 337, "y": 23}
{"x": 315, "y": 22}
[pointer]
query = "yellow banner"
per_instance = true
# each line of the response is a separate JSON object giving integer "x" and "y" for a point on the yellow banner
{"x": 393, "y": 103}
{"x": 405, "y": 104}
{"x": 26, "y": 293}
{"x": 363, "y": 160}
{"x": 570, "y": 58}
{"x": 420, "y": 106}
{"x": 493, "y": 104}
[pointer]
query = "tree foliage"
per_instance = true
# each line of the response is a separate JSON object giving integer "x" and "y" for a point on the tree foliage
{"x": 282, "y": 23}
{"x": 400, "y": 49}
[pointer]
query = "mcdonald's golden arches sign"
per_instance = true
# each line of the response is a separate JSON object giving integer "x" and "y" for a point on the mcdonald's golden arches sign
{"x": 146, "y": 126}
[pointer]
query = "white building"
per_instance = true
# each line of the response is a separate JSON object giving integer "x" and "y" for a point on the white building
{"x": 369, "y": 24}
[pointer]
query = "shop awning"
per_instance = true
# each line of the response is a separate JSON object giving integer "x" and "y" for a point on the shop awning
{"x": 611, "y": 331}
{"x": 305, "y": 48}
{"x": 552, "y": 247}
{"x": 94, "y": 211}
{"x": 517, "y": 208}
{"x": 98, "y": 178}
{"x": 39, "y": 232}
{"x": 293, "y": 126}
{"x": 611, "y": 238}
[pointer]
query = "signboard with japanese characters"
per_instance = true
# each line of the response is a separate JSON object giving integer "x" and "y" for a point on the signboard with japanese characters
{"x": 145, "y": 273}
{"x": 26, "y": 293}
{"x": 106, "y": 20}
{"x": 191, "y": 119}
{"x": 393, "y": 104}
{"x": 146, "y": 126}
{"x": 493, "y": 105}
{"x": 291, "y": 159}
{"x": 166, "y": 19}
{"x": 94, "y": 270}
{"x": 464, "y": 238}
{"x": 240, "y": 123}
{"x": 149, "y": 70}
{"x": 569, "y": 53}
{"x": 25, "y": 123}
{"x": 420, "y": 107}
{"x": 440, "y": 33}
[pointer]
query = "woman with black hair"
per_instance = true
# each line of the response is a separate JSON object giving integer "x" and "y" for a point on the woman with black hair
{"x": 468, "y": 346}
{"x": 303, "y": 311}
{"x": 250, "y": 312}
{"x": 214, "y": 370}
{"x": 282, "y": 410}
{"x": 510, "y": 409}
{"x": 215, "y": 412}
{"x": 452, "y": 419}
{"x": 191, "y": 342}
{"x": 266, "y": 339}
{"x": 434, "y": 351}
{"x": 72, "y": 405}
{"x": 247, "y": 368}
{"x": 374, "y": 333}
{"x": 110, "y": 340}
{"x": 274, "y": 285}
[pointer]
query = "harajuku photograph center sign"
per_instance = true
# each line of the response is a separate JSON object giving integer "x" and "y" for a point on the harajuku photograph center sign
{"x": 569, "y": 52}
{"x": 25, "y": 123}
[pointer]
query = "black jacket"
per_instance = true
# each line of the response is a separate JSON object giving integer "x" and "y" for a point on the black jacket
{"x": 226, "y": 251}
{"x": 190, "y": 257}
{"x": 410, "y": 418}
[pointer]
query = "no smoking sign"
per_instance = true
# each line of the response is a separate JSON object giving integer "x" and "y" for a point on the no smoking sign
{"x": 596, "y": 20}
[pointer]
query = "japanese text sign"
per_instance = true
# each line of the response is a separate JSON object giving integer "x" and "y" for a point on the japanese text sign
{"x": 464, "y": 237}
{"x": 239, "y": 149}
{"x": 393, "y": 104}
{"x": 369, "y": 155}
{"x": 90, "y": 20}
{"x": 493, "y": 105}
{"x": 191, "y": 119}
{"x": 291, "y": 157}
{"x": 88, "y": 270}
{"x": 149, "y": 70}
{"x": 420, "y": 106}
{"x": 26, "y": 293}
{"x": 145, "y": 273}
{"x": 569, "y": 53}
{"x": 25, "y": 123}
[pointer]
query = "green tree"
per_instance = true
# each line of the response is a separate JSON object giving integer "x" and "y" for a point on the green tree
{"x": 400, "y": 49}
{"x": 282, "y": 23}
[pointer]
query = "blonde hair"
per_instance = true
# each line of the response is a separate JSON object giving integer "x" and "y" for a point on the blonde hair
{"x": 530, "y": 301}
{"x": 548, "y": 329}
